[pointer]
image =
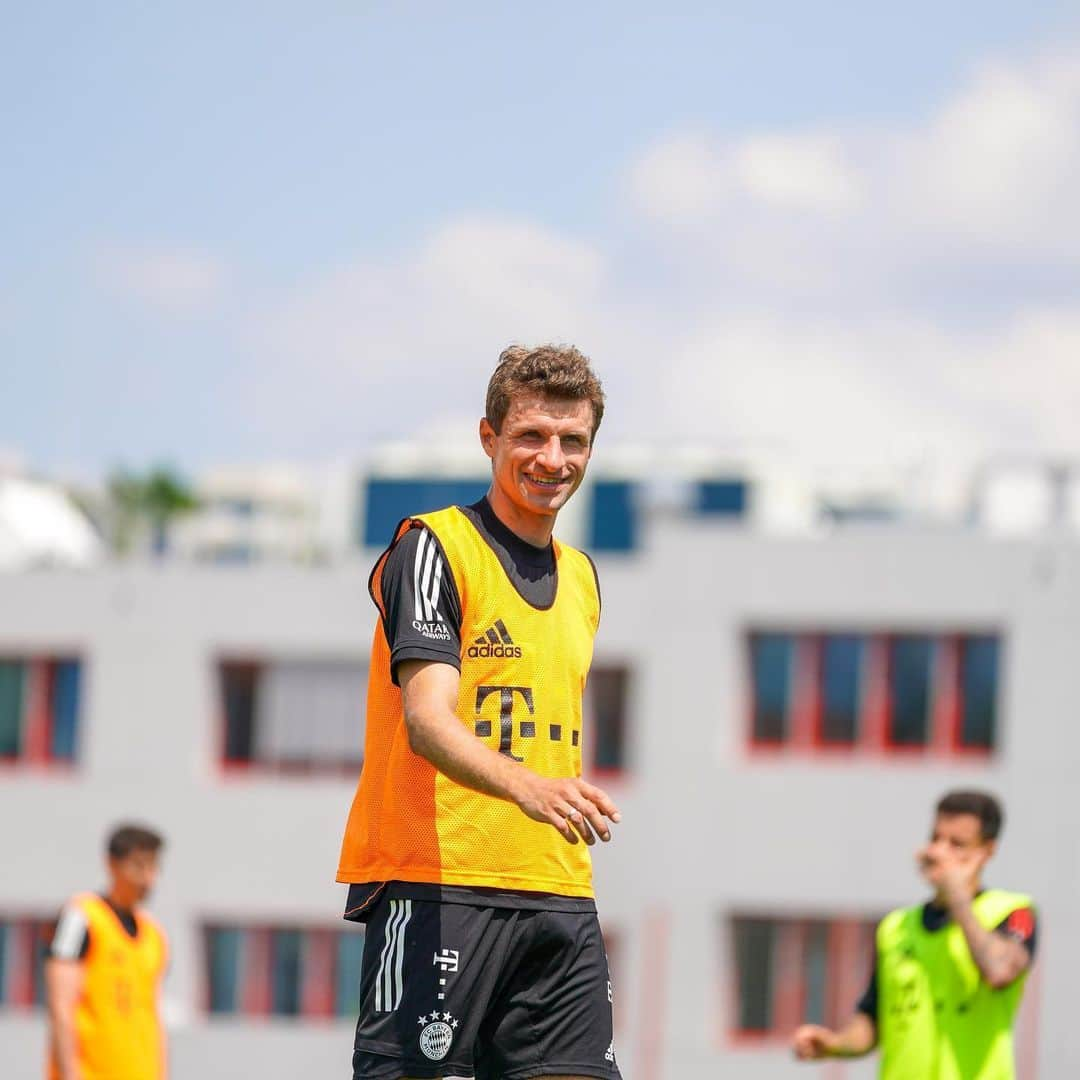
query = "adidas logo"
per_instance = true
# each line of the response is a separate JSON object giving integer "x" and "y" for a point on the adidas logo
{"x": 495, "y": 641}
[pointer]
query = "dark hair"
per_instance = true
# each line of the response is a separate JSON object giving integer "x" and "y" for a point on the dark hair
{"x": 980, "y": 803}
{"x": 125, "y": 839}
{"x": 555, "y": 371}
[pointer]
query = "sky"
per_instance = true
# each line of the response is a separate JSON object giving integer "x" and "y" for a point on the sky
{"x": 268, "y": 232}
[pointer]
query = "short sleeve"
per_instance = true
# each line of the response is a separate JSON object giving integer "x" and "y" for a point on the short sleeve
{"x": 71, "y": 940}
{"x": 1021, "y": 925}
{"x": 420, "y": 602}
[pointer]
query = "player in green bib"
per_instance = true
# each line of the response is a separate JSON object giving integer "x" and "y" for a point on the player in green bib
{"x": 950, "y": 973}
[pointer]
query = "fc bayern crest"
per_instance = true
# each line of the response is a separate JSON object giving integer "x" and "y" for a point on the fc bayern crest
{"x": 437, "y": 1035}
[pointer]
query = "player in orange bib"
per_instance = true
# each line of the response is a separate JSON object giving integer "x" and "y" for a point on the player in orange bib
{"x": 104, "y": 968}
{"x": 467, "y": 846}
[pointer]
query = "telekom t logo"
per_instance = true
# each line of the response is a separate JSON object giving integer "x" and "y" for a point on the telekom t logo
{"x": 506, "y": 716}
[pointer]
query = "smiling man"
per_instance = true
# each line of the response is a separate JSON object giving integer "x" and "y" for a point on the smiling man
{"x": 950, "y": 973}
{"x": 466, "y": 848}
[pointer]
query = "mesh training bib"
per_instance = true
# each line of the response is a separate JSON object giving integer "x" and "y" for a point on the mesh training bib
{"x": 116, "y": 1019}
{"x": 937, "y": 1017}
{"x": 523, "y": 672}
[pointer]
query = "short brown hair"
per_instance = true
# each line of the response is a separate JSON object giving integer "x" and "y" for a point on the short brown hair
{"x": 125, "y": 839}
{"x": 555, "y": 371}
{"x": 979, "y": 803}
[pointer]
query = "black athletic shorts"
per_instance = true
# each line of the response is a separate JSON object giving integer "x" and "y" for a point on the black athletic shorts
{"x": 456, "y": 990}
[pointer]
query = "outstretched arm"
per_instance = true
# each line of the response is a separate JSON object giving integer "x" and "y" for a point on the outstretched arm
{"x": 430, "y": 695}
{"x": 858, "y": 1037}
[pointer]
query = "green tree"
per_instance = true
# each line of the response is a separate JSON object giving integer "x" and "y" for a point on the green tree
{"x": 152, "y": 500}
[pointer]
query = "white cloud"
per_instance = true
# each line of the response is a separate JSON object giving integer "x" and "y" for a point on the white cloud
{"x": 1001, "y": 161}
{"x": 172, "y": 281}
{"x": 808, "y": 172}
{"x": 997, "y": 166}
{"x": 878, "y": 297}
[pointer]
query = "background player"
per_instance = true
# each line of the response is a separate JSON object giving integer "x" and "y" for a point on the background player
{"x": 103, "y": 972}
{"x": 467, "y": 842}
{"x": 949, "y": 973}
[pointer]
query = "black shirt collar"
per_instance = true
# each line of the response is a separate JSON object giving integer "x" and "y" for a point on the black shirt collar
{"x": 520, "y": 549}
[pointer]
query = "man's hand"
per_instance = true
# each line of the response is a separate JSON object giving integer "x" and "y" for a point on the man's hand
{"x": 572, "y": 806}
{"x": 812, "y": 1042}
{"x": 430, "y": 694}
{"x": 954, "y": 874}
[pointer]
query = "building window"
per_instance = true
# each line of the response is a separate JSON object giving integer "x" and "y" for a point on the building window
{"x": 881, "y": 692}
{"x": 309, "y": 972}
{"x": 613, "y": 519}
{"x": 387, "y": 501}
{"x": 606, "y": 703}
{"x": 793, "y": 970}
{"x": 978, "y": 691}
{"x": 40, "y": 700}
{"x": 841, "y": 685}
{"x": 772, "y": 663}
{"x": 911, "y": 673}
{"x": 293, "y": 715}
{"x": 723, "y": 498}
{"x": 24, "y": 943}
{"x": 755, "y": 941}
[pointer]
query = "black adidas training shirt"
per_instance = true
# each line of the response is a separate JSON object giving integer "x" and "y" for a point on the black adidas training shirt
{"x": 418, "y": 591}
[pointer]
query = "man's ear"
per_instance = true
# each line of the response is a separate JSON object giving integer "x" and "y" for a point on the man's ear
{"x": 488, "y": 436}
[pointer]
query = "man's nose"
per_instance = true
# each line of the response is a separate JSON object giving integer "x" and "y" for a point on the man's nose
{"x": 552, "y": 454}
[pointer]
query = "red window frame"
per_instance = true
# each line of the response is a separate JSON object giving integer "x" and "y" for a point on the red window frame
{"x": 37, "y": 712}
{"x": 235, "y": 768}
{"x": 608, "y": 773}
{"x": 849, "y": 956}
{"x": 874, "y": 724}
{"x": 318, "y": 970}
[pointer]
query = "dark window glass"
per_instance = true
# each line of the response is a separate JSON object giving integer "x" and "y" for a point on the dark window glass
{"x": 350, "y": 953}
{"x": 67, "y": 678}
{"x": 5, "y": 935}
{"x": 225, "y": 947}
{"x": 754, "y": 944}
{"x": 286, "y": 951}
{"x": 910, "y": 678}
{"x": 239, "y": 685}
{"x": 725, "y": 498}
{"x": 387, "y": 501}
{"x": 607, "y": 690}
{"x": 42, "y": 933}
{"x": 11, "y": 707}
{"x": 771, "y": 660}
{"x": 841, "y": 665}
{"x": 612, "y": 517}
{"x": 816, "y": 969}
{"x": 979, "y": 684}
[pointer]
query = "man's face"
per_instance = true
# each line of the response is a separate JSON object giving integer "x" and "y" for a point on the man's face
{"x": 959, "y": 837}
{"x": 540, "y": 454}
{"x": 134, "y": 874}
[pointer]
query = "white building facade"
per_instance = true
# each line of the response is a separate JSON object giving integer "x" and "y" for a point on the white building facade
{"x": 767, "y": 733}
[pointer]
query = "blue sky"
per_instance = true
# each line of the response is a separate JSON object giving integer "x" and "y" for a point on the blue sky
{"x": 265, "y": 231}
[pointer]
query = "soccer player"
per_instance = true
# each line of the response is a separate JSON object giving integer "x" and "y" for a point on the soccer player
{"x": 466, "y": 848}
{"x": 103, "y": 970}
{"x": 949, "y": 973}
